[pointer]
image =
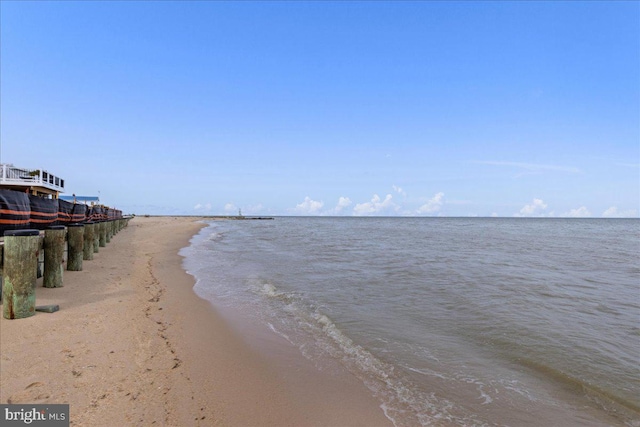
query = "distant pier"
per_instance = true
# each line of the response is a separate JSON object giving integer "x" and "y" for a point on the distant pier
{"x": 217, "y": 217}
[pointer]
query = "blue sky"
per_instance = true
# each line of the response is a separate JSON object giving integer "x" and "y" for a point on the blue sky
{"x": 328, "y": 108}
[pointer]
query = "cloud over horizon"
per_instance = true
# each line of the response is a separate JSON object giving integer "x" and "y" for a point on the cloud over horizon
{"x": 399, "y": 190}
{"x": 308, "y": 207}
{"x": 375, "y": 206}
{"x": 536, "y": 208}
{"x": 433, "y": 205}
{"x": 343, "y": 202}
{"x": 581, "y": 212}
{"x": 613, "y": 212}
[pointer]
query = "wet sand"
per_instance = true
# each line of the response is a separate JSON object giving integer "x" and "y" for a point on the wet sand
{"x": 133, "y": 345}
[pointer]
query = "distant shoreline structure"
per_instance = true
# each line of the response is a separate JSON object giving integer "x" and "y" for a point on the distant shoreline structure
{"x": 518, "y": 218}
{"x": 216, "y": 217}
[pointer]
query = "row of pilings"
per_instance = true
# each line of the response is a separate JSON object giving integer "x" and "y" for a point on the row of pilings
{"x": 25, "y": 251}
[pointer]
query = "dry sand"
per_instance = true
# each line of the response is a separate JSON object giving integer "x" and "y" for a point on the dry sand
{"x": 132, "y": 345}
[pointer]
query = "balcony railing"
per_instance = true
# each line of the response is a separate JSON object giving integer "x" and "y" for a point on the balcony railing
{"x": 11, "y": 175}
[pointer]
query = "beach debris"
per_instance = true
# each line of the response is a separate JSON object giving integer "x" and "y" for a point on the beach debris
{"x": 51, "y": 308}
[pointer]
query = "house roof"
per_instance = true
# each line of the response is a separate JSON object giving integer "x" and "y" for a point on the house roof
{"x": 83, "y": 199}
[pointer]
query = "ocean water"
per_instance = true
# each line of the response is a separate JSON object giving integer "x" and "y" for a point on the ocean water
{"x": 454, "y": 321}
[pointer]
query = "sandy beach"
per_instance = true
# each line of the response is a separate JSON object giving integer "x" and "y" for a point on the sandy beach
{"x": 133, "y": 345}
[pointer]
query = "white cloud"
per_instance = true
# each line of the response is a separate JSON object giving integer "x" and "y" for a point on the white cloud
{"x": 613, "y": 212}
{"x": 581, "y": 212}
{"x": 230, "y": 208}
{"x": 399, "y": 190}
{"x": 433, "y": 205}
{"x": 200, "y": 206}
{"x": 375, "y": 206}
{"x": 343, "y": 202}
{"x": 536, "y": 208}
{"x": 309, "y": 207}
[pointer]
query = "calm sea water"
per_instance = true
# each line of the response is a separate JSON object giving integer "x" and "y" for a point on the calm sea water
{"x": 520, "y": 322}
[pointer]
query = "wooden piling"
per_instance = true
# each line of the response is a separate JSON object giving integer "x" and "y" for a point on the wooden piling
{"x": 54, "y": 238}
{"x": 96, "y": 237}
{"x": 75, "y": 240}
{"x": 87, "y": 251}
{"x": 20, "y": 271}
{"x": 107, "y": 230}
{"x": 40, "y": 264}
{"x": 1, "y": 269}
{"x": 103, "y": 234}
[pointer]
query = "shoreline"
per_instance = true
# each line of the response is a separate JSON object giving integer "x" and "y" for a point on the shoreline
{"x": 133, "y": 344}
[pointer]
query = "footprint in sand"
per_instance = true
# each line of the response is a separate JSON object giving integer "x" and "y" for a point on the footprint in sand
{"x": 33, "y": 393}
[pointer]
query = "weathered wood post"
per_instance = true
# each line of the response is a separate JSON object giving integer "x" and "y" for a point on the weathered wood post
{"x": 87, "y": 251}
{"x": 20, "y": 271}
{"x": 103, "y": 234}
{"x": 40, "y": 264}
{"x": 107, "y": 230}
{"x": 96, "y": 237}
{"x": 75, "y": 240}
{"x": 53, "y": 256}
{"x": 1, "y": 269}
